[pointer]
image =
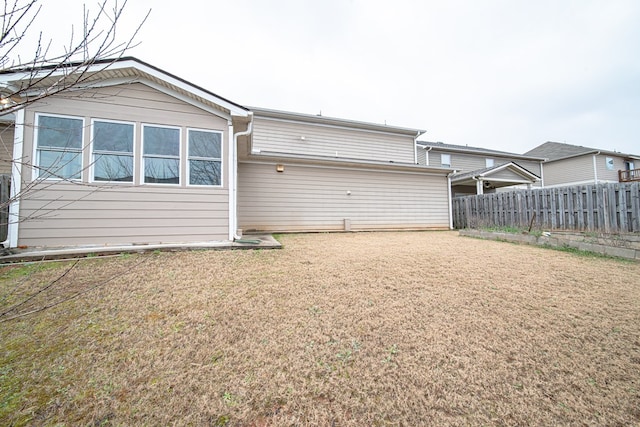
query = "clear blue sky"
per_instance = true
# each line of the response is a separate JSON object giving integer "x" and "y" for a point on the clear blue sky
{"x": 506, "y": 75}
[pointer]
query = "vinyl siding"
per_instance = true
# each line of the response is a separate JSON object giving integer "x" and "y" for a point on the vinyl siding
{"x": 6, "y": 147}
{"x": 66, "y": 214}
{"x": 69, "y": 215}
{"x": 605, "y": 174}
{"x": 307, "y": 198}
{"x": 569, "y": 171}
{"x": 280, "y": 136}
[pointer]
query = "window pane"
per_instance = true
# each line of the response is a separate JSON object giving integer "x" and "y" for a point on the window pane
{"x": 113, "y": 168}
{"x": 204, "y": 172}
{"x": 204, "y": 144}
{"x": 109, "y": 136}
{"x": 161, "y": 141}
{"x": 163, "y": 171}
{"x": 60, "y": 132}
{"x": 59, "y": 164}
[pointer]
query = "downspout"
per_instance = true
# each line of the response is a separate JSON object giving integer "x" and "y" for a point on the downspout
{"x": 233, "y": 232}
{"x": 13, "y": 218}
{"x": 415, "y": 149}
{"x": 595, "y": 168}
{"x": 542, "y": 174}
{"x": 479, "y": 188}
{"x": 450, "y": 200}
{"x": 426, "y": 155}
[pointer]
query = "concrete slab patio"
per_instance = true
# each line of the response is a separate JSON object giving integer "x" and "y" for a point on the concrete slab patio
{"x": 257, "y": 241}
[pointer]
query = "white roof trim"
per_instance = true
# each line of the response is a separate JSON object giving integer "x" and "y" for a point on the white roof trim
{"x": 142, "y": 70}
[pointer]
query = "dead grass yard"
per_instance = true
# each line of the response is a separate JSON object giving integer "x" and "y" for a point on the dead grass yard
{"x": 408, "y": 328}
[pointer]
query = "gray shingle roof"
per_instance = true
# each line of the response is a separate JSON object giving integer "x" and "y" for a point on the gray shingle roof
{"x": 466, "y": 148}
{"x": 558, "y": 150}
{"x": 477, "y": 172}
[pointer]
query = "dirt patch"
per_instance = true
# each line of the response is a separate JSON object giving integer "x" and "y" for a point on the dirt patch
{"x": 334, "y": 329}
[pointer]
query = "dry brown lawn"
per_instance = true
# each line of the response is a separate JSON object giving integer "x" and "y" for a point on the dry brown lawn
{"x": 407, "y": 328}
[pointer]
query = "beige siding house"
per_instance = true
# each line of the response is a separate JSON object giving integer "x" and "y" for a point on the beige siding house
{"x": 480, "y": 170}
{"x": 311, "y": 173}
{"x": 567, "y": 164}
{"x": 136, "y": 155}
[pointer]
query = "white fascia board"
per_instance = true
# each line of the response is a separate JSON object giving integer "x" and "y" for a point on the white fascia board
{"x": 233, "y": 109}
{"x": 510, "y": 165}
{"x": 141, "y": 70}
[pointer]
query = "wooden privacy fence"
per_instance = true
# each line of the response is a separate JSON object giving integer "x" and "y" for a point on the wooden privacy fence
{"x": 609, "y": 208}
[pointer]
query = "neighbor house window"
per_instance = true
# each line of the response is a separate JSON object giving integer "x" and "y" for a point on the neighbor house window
{"x": 58, "y": 147}
{"x": 609, "y": 163}
{"x": 112, "y": 151}
{"x": 445, "y": 160}
{"x": 204, "y": 157}
{"x": 161, "y": 154}
{"x": 488, "y": 163}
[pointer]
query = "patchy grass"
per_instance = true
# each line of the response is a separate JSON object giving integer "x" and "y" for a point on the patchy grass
{"x": 344, "y": 329}
{"x": 514, "y": 230}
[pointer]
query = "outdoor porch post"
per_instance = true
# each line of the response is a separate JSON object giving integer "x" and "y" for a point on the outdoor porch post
{"x": 479, "y": 187}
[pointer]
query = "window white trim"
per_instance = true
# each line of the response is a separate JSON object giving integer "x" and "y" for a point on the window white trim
{"x": 35, "y": 170}
{"x": 179, "y": 157}
{"x": 92, "y": 157}
{"x": 444, "y": 163}
{"x": 220, "y": 159}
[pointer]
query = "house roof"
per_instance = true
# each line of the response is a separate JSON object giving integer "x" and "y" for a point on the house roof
{"x": 333, "y": 121}
{"x": 120, "y": 71}
{"x": 552, "y": 151}
{"x": 476, "y": 150}
{"x": 485, "y": 173}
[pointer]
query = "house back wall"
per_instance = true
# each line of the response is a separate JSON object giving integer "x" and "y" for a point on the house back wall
{"x": 312, "y": 198}
{"x": 64, "y": 213}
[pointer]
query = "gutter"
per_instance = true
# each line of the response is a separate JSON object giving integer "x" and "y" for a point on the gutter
{"x": 233, "y": 205}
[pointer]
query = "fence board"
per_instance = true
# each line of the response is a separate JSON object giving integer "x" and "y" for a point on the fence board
{"x": 603, "y": 207}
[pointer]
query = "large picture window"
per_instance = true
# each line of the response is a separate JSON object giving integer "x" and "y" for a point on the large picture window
{"x": 58, "y": 147}
{"x": 161, "y": 154}
{"x": 112, "y": 151}
{"x": 204, "y": 157}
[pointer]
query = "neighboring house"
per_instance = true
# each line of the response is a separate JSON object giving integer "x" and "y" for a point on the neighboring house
{"x": 139, "y": 156}
{"x": 480, "y": 170}
{"x": 567, "y": 164}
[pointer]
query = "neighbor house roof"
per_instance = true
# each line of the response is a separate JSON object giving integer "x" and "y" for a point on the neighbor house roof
{"x": 552, "y": 151}
{"x": 485, "y": 172}
{"x": 475, "y": 150}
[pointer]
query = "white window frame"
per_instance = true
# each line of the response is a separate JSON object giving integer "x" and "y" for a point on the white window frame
{"x": 93, "y": 154}
{"x": 221, "y": 159}
{"x": 489, "y": 162}
{"x": 609, "y": 163}
{"x": 442, "y": 163}
{"x": 142, "y": 155}
{"x": 35, "y": 175}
